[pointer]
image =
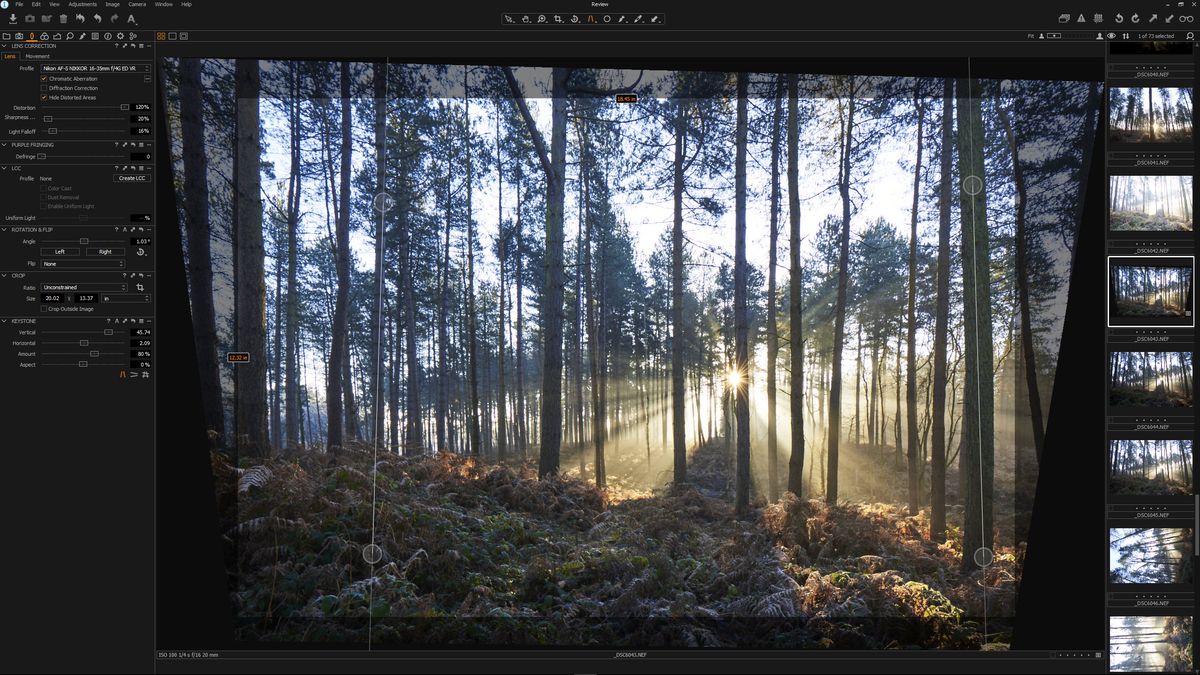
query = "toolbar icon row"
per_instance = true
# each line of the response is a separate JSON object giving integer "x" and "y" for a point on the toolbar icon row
{"x": 538, "y": 19}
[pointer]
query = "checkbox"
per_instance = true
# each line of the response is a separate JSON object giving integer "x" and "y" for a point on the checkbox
{"x": 45, "y": 78}
{"x": 45, "y": 97}
{"x": 44, "y": 88}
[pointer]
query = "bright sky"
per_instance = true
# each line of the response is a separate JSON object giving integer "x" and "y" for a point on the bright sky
{"x": 888, "y": 187}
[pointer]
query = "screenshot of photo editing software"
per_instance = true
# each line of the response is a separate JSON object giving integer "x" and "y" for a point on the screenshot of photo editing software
{"x": 566, "y": 336}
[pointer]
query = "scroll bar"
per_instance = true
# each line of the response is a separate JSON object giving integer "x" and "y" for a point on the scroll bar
{"x": 1196, "y": 526}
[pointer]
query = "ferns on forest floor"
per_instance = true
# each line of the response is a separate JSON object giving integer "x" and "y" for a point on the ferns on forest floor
{"x": 483, "y": 554}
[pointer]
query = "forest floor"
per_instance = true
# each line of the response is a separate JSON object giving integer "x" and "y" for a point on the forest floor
{"x": 1120, "y": 396}
{"x": 1136, "y": 136}
{"x": 1132, "y": 221}
{"x": 1136, "y": 485}
{"x": 1135, "y": 308}
{"x": 484, "y": 554}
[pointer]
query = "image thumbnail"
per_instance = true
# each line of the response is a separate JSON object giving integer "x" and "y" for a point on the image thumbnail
{"x": 1150, "y": 467}
{"x": 1150, "y": 379}
{"x": 1150, "y": 47}
{"x": 1150, "y": 203}
{"x": 1150, "y": 555}
{"x": 1150, "y": 115}
{"x": 1150, "y": 644}
{"x": 1160, "y": 289}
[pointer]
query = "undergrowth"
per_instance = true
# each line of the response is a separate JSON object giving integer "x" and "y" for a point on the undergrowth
{"x": 486, "y": 555}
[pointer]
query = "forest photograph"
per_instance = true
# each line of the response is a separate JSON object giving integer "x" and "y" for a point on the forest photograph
{"x": 1150, "y": 115}
{"x": 1150, "y": 467}
{"x": 1150, "y": 379}
{"x": 1150, "y": 555}
{"x": 1150, "y": 203}
{"x": 760, "y": 359}
{"x": 1150, "y": 644}
{"x": 1150, "y": 289}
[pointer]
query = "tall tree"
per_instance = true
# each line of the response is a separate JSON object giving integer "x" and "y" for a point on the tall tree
{"x": 914, "y": 468}
{"x": 381, "y": 204}
{"x": 1150, "y": 98}
{"x": 741, "y": 328}
{"x": 404, "y": 282}
{"x": 472, "y": 339}
{"x": 595, "y": 324}
{"x": 337, "y": 350}
{"x": 843, "y": 275}
{"x": 772, "y": 320}
{"x": 937, "y": 454}
{"x": 977, "y": 451}
{"x": 1021, "y": 273}
{"x": 501, "y": 255}
{"x": 553, "y": 165}
{"x": 796, "y": 288}
{"x": 292, "y": 300}
{"x": 443, "y": 385}
{"x": 199, "y": 235}
{"x": 251, "y": 404}
{"x": 678, "y": 430}
{"x": 522, "y": 431}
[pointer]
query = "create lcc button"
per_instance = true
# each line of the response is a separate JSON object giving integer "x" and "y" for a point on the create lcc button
{"x": 131, "y": 178}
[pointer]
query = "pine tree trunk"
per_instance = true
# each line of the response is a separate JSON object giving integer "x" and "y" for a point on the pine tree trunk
{"x": 839, "y": 325}
{"x": 914, "y": 468}
{"x": 292, "y": 310}
{"x": 937, "y": 456}
{"x": 741, "y": 317}
{"x": 677, "y": 376}
{"x": 501, "y": 422}
{"x": 251, "y": 400}
{"x": 550, "y": 420}
{"x": 394, "y": 379}
{"x": 1022, "y": 277}
{"x": 472, "y": 341}
{"x": 772, "y": 319}
{"x": 199, "y": 236}
{"x": 379, "y": 213}
{"x": 522, "y": 427}
{"x": 795, "y": 306}
{"x": 443, "y": 389}
{"x": 277, "y": 355}
{"x": 978, "y": 410}
{"x": 337, "y": 349}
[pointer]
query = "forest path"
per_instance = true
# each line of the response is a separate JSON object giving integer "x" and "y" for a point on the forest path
{"x": 702, "y": 561}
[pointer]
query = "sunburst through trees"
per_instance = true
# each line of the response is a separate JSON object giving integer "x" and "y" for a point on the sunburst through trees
{"x": 563, "y": 371}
